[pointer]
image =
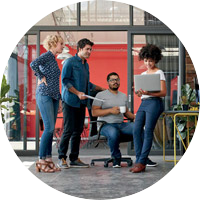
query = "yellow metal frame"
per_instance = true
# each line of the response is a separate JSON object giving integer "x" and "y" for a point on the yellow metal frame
{"x": 173, "y": 115}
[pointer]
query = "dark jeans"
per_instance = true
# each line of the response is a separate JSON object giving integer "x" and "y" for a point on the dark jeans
{"x": 112, "y": 133}
{"x": 48, "y": 108}
{"x": 93, "y": 126}
{"x": 73, "y": 127}
{"x": 146, "y": 118}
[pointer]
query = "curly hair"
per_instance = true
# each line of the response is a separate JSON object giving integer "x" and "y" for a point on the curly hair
{"x": 51, "y": 41}
{"x": 150, "y": 51}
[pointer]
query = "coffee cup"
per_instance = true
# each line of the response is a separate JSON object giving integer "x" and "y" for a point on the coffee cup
{"x": 122, "y": 109}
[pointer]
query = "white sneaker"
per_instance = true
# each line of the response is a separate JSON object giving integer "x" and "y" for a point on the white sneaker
{"x": 63, "y": 164}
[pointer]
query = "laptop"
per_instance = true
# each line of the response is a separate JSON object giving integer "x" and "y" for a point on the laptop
{"x": 147, "y": 82}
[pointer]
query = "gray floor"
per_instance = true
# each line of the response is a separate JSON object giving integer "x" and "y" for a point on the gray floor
{"x": 98, "y": 182}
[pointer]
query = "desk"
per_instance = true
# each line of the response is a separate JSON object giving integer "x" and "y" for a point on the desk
{"x": 174, "y": 115}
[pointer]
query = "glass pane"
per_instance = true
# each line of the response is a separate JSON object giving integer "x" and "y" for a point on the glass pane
{"x": 65, "y": 16}
{"x": 169, "y": 64}
{"x": 104, "y": 13}
{"x": 20, "y": 119}
{"x": 140, "y": 17}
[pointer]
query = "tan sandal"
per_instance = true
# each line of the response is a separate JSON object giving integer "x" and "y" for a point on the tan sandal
{"x": 43, "y": 167}
{"x": 53, "y": 166}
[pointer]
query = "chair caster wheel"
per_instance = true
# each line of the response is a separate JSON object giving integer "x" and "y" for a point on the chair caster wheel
{"x": 92, "y": 163}
{"x": 105, "y": 164}
{"x": 130, "y": 164}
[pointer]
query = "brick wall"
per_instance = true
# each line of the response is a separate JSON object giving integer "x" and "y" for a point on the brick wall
{"x": 190, "y": 71}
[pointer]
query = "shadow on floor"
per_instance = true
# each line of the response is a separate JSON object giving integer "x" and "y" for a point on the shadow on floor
{"x": 98, "y": 182}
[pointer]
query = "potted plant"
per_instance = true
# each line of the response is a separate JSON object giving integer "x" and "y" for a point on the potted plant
{"x": 188, "y": 95}
{"x": 4, "y": 90}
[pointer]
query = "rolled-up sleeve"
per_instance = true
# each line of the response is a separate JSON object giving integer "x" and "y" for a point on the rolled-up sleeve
{"x": 92, "y": 86}
{"x": 66, "y": 76}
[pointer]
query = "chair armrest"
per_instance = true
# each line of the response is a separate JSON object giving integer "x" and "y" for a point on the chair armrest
{"x": 128, "y": 120}
{"x": 97, "y": 121}
{"x": 100, "y": 127}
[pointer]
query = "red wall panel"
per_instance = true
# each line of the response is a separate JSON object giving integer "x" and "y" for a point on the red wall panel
{"x": 104, "y": 59}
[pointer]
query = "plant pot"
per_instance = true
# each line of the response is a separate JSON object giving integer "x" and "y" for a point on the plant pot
{"x": 185, "y": 107}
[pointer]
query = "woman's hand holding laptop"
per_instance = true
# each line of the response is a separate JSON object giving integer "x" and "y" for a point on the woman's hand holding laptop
{"x": 141, "y": 92}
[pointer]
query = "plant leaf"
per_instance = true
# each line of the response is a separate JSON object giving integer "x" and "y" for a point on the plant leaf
{"x": 4, "y": 107}
{"x": 5, "y": 90}
{"x": 4, "y": 87}
{"x": 180, "y": 126}
{"x": 2, "y": 116}
{"x": 5, "y": 100}
{"x": 183, "y": 135}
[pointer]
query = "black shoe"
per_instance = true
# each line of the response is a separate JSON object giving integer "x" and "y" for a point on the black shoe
{"x": 78, "y": 163}
{"x": 116, "y": 162}
{"x": 150, "y": 163}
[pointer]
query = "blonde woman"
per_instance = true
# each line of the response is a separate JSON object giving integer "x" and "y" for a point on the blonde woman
{"x": 48, "y": 98}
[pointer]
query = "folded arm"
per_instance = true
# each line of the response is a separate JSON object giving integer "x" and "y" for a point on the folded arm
{"x": 97, "y": 111}
{"x": 129, "y": 114}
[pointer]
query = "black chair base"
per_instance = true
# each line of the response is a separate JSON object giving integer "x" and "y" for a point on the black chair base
{"x": 110, "y": 160}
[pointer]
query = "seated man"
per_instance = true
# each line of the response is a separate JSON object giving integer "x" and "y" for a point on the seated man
{"x": 109, "y": 111}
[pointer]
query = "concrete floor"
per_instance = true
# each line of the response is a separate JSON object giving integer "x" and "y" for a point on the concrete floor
{"x": 98, "y": 182}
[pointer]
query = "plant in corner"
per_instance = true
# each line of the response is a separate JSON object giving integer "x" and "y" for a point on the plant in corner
{"x": 188, "y": 95}
{"x": 4, "y": 90}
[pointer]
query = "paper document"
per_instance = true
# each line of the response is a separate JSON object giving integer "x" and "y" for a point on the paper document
{"x": 90, "y": 97}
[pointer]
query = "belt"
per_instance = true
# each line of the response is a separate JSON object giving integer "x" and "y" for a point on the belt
{"x": 149, "y": 98}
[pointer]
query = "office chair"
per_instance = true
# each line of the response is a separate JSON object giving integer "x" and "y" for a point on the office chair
{"x": 100, "y": 138}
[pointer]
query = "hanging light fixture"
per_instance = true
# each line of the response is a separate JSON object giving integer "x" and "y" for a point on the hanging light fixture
{"x": 64, "y": 55}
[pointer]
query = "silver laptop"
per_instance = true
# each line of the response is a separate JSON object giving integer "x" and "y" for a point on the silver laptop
{"x": 147, "y": 82}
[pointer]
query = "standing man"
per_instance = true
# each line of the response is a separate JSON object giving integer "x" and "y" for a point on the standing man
{"x": 75, "y": 84}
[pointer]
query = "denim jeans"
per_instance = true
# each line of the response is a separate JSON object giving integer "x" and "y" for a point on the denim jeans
{"x": 112, "y": 133}
{"x": 146, "y": 118}
{"x": 73, "y": 127}
{"x": 48, "y": 108}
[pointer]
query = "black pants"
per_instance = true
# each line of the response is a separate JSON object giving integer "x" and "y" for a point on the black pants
{"x": 93, "y": 126}
{"x": 73, "y": 127}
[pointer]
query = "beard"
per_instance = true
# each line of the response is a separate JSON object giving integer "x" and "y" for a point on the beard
{"x": 85, "y": 55}
{"x": 114, "y": 88}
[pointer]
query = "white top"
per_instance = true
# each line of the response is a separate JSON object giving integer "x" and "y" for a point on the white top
{"x": 162, "y": 78}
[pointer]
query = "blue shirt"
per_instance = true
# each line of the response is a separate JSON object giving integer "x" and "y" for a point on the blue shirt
{"x": 75, "y": 74}
{"x": 47, "y": 66}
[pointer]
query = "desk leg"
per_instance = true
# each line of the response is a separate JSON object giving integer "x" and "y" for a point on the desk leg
{"x": 164, "y": 138}
{"x": 195, "y": 121}
{"x": 174, "y": 140}
{"x": 188, "y": 132}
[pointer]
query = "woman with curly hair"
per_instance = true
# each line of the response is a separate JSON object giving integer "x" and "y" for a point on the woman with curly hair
{"x": 48, "y": 98}
{"x": 150, "y": 109}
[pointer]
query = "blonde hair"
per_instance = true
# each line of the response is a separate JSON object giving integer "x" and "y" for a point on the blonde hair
{"x": 51, "y": 41}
